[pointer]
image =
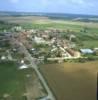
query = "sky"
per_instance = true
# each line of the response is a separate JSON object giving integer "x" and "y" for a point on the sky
{"x": 89, "y": 7}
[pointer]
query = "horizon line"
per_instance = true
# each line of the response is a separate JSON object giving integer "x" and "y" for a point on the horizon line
{"x": 50, "y": 13}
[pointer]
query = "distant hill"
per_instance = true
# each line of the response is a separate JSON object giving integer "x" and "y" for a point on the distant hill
{"x": 92, "y": 19}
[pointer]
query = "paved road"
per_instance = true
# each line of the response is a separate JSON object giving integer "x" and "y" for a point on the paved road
{"x": 34, "y": 66}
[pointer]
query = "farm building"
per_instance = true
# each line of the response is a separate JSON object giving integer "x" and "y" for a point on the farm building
{"x": 86, "y": 51}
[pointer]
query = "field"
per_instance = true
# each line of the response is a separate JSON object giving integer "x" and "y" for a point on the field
{"x": 23, "y": 19}
{"x": 13, "y": 81}
{"x": 60, "y": 24}
{"x": 72, "y": 81}
{"x": 31, "y": 21}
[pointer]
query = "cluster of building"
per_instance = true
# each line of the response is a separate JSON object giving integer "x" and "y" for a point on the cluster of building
{"x": 59, "y": 48}
{"x": 62, "y": 48}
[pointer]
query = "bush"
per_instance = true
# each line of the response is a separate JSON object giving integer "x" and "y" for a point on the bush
{"x": 82, "y": 60}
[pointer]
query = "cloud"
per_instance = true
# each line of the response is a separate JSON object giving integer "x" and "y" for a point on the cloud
{"x": 44, "y": 2}
{"x": 83, "y": 3}
{"x": 78, "y": 1}
{"x": 91, "y": 4}
{"x": 14, "y": 1}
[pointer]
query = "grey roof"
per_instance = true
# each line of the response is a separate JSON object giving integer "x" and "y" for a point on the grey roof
{"x": 87, "y": 51}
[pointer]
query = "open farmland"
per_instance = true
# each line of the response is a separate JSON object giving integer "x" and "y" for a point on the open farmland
{"x": 60, "y": 24}
{"x": 18, "y": 84}
{"x": 11, "y": 81}
{"x": 21, "y": 19}
{"x": 72, "y": 81}
{"x": 45, "y": 21}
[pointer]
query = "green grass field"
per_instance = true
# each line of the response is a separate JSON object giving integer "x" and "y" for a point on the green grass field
{"x": 74, "y": 27}
{"x": 90, "y": 44}
{"x": 12, "y": 81}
